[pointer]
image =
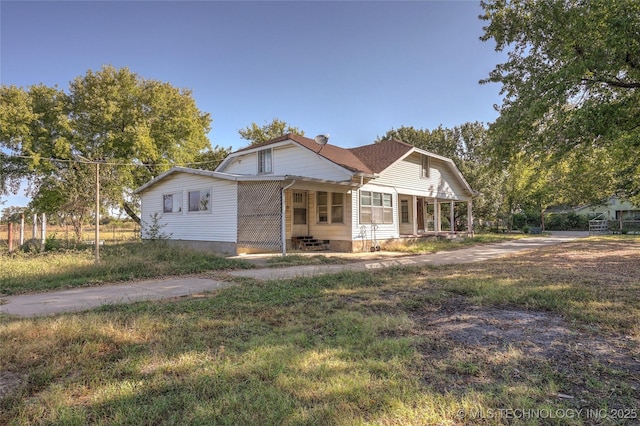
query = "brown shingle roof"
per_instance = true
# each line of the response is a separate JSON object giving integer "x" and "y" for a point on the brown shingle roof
{"x": 379, "y": 156}
{"x": 342, "y": 157}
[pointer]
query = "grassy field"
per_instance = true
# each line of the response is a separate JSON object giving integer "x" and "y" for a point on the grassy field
{"x": 24, "y": 273}
{"x": 550, "y": 336}
{"x": 110, "y": 233}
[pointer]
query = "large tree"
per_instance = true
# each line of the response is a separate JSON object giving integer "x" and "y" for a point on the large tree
{"x": 571, "y": 83}
{"x": 136, "y": 128}
{"x": 258, "y": 134}
{"x": 439, "y": 140}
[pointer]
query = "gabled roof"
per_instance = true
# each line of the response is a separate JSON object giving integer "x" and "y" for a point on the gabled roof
{"x": 379, "y": 156}
{"x": 368, "y": 159}
{"x": 340, "y": 156}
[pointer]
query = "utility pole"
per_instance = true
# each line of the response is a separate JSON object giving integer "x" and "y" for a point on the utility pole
{"x": 97, "y": 212}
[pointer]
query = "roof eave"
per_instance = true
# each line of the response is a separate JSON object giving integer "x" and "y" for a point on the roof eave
{"x": 179, "y": 169}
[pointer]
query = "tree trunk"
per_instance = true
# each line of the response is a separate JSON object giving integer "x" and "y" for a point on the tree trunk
{"x": 127, "y": 208}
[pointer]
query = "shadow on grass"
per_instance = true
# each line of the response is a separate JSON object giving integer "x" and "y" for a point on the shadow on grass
{"x": 382, "y": 347}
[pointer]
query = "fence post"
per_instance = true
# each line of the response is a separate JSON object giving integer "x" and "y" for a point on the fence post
{"x": 35, "y": 227}
{"x": 21, "y": 229}
{"x": 44, "y": 231}
{"x": 10, "y": 235}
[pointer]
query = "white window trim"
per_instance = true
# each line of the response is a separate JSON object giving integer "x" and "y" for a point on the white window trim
{"x": 270, "y": 150}
{"x": 382, "y": 194}
{"x": 405, "y": 202}
{"x": 173, "y": 203}
{"x": 209, "y": 206}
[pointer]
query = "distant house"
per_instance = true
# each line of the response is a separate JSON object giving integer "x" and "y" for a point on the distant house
{"x": 613, "y": 209}
{"x": 294, "y": 192}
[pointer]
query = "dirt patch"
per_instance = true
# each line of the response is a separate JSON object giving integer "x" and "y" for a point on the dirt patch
{"x": 9, "y": 383}
{"x": 512, "y": 341}
{"x": 536, "y": 333}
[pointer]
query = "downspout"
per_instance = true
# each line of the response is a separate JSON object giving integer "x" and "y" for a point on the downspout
{"x": 284, "y": 219}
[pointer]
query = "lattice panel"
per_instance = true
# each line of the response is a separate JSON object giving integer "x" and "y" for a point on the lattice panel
{"x": 259, "y": 216}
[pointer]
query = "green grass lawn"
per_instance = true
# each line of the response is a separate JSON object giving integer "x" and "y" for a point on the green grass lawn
{"x": 24, "y": 273}
{"x": 421, "y": 246}
{"x": 390, "y": 347}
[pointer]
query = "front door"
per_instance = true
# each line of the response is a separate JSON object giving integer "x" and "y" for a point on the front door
{"x": 300, "y": 214}
{"x": 420, "y": 214}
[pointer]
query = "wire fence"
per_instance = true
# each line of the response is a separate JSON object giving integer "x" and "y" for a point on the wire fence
{"x": 109, "y": 234}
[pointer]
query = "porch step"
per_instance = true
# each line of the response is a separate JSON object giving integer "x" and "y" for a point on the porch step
{"x": 309, "y": 243}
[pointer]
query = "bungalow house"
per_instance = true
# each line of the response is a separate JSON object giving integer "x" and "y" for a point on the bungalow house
{"x": 293, "y": 192}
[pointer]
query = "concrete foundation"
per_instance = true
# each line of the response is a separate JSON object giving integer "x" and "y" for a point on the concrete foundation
{"x": 212, "y": 246}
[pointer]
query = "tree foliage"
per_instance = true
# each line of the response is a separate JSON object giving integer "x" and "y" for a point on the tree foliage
{"x": 136, "y": 128}
{"x": 571, "y": 84}
{"x": 258, "y": 134}
{"x": 210, "y": 159}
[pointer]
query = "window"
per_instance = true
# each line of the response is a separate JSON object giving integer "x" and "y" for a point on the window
{"x": 323, "y": 207}
{"x": 264, "y": 161}
{"x": 330, "y": 205}
{"x": 299, "y": 208}
{"x": 199, "y": 201}
{"x": 425, "y": 166}
{"x": 172, "y": 203}
{"x": 404, "y": 211}
{"x": 376, "y": 207}
{"x": 299, "y": 216}
{"x": 337, "y": 207}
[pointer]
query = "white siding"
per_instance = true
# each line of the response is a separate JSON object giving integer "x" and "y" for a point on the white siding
{"x": 405, "y": 177}
{"x": 290, "y": 160}
{"x": 243, "y": 165}
{"x": 384, "y": 231}
{"x": 219, "y": 223}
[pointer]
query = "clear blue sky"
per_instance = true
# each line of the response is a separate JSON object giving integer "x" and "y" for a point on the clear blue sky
{"x": 352, "y": 69}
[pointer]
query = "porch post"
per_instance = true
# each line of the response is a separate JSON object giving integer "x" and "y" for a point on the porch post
{"x": 414, "y": 214}
{"x": 437, "y": 226}
{"x": 470, "y": 217}
{"x": 283, "y": 223}
{"x": 453, "y": 216}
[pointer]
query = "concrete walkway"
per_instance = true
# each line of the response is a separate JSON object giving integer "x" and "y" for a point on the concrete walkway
{"x": 83, "y": 298}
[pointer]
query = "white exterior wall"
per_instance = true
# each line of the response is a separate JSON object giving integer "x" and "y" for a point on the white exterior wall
{"x": 290, "y": 160}
{"x": 219, "y": 223}
{"x": 405, "y": 176}
{"x": 384, "y": 231}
